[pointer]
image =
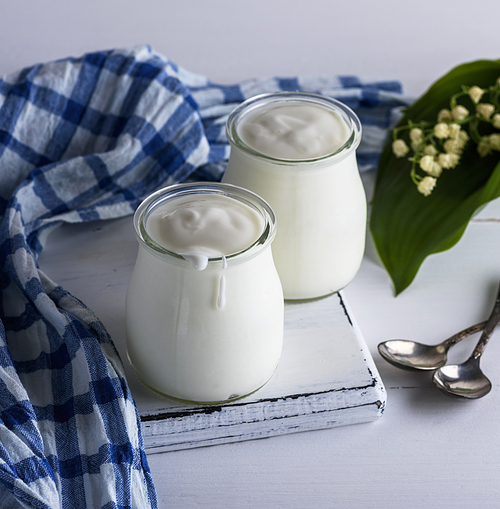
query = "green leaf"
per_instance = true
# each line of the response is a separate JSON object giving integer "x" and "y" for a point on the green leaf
{"x": 407, "y": 226}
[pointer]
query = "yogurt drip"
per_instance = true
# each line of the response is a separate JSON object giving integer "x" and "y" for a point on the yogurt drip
{"x": 221, "y": 300}
{"x": 198, "y": 229}
{"x": 295, "y": 131}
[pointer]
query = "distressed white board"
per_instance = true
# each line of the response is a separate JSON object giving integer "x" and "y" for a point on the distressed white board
{"x": 326, "y": 376}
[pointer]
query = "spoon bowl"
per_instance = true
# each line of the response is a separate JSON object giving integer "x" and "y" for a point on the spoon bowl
{"x": 414, "y": 356}
{"x": 464, "y": 380}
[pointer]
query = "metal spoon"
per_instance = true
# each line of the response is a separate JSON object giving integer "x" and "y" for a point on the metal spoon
{"x": 466, "y": 380}
{"x": 412, "y": 356}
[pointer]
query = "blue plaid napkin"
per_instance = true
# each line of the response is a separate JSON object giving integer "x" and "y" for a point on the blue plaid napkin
{"x": 84, "y": 139}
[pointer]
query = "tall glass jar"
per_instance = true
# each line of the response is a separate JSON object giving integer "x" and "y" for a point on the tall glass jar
{"x": 319, "y": 202}
{"x": 181, "y": 341}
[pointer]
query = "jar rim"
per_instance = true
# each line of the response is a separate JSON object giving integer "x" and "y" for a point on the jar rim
{"x": 173, "y": 191}
{"x": 276, "y": 98}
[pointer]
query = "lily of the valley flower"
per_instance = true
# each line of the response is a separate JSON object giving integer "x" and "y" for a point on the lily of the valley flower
{"x": 494, "y": 140}
{"x": 459, "y": 112}
{"x": 430, "y": 150}
{"x": 454, "y": 130}
{"x": 440, "y": 146}
{"x": 475, "y": 93}
{"x": 400, "y": 148}
{"x": 426, "y": 185}
{"x": 485, "y": 110}
{"x": 488, "y": 144}
{"x": 448, "y": 161}
{"x": 416, "y": 135}
{"x": 445, "y": 116}
{"x": 441, "y": 130}
{"x": 483, "y": 149}
{"x": 426, "y": 163}
{"x": 430, "y": 166}
{"x": 416, "y": 138}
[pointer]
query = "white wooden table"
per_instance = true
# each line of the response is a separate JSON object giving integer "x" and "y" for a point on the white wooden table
{"x": 426, "y": 450}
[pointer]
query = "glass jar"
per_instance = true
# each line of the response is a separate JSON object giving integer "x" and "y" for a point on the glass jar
{"x": 319, "y": 202}
{"x": 181, "y": 341}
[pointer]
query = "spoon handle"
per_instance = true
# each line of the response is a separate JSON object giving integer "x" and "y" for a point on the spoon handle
{"x": 456, "y": 338}
{"x": 488, "y": 329}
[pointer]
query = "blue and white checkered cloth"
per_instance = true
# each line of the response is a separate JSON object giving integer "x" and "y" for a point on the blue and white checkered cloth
{"x": 84, "y": 139}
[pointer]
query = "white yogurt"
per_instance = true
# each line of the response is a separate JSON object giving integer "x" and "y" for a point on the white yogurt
{"x": 294, "y": 131}
{"x": 204, "y": 307}
{"x": 307, "y": 171}
{"x": 204, "y": 227}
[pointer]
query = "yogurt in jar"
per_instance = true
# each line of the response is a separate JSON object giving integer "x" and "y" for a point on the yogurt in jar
{"x": 203, "y": 227}
{"x": 204, "y": 309}
{"x": 297, "y": 151}
{"x": 293, "y": 131}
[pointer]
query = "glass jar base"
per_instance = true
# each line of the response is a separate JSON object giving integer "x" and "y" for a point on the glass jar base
{"x": 188, "y": 401}
{"x": 320, "y": 295}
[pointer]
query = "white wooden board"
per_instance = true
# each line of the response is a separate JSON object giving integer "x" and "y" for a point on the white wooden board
{"x": 326, "y": 376}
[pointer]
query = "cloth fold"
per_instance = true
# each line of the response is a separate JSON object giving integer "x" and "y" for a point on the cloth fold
{"x": 84, "y": 139}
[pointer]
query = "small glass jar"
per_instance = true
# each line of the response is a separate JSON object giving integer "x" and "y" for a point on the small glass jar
{"x": 319, "y": 202}
{"x": 181, "y": 341}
